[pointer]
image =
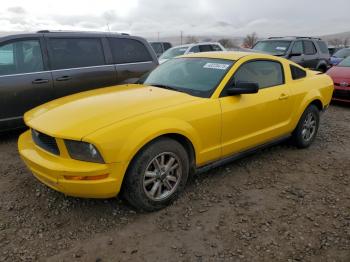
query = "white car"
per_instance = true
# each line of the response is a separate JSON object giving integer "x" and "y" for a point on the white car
{"x": 190, "y": 48}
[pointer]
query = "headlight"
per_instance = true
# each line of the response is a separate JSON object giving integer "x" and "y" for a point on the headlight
{"x": 83, "y": 151}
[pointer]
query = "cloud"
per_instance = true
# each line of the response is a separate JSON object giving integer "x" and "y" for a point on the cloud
{"x": 193, "y": 17}
{"x": 16, "y": 10}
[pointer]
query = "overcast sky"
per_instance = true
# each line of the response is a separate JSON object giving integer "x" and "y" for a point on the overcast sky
{"x": 169, "y": 17}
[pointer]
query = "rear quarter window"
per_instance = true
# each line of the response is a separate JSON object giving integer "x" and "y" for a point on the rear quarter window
{"x": 166, "y": 46}
{"x": 297, "y": 73}
{"x": 323, "y": 47}
{"x": 216, "y": 48}
{"x": 125, "y": 50}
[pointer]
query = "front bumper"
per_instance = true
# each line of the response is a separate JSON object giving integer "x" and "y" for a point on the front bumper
{"x": 52, "y": 170}
{"x": 341, "y": 93}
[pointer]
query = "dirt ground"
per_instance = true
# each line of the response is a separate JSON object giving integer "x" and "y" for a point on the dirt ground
{"x": 281, "y": 204}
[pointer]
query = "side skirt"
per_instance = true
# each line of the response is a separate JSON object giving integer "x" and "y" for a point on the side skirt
{"x": 240, "y": 155}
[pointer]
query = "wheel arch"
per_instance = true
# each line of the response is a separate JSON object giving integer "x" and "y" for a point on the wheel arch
{"x": 315, "y": 101}
{"x": 180, "y": 138}
{"x": 322, "y": 65}
{"x": 318, "y": 103}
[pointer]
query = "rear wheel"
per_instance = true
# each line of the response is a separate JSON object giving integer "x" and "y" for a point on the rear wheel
{"x": 157, "y": 175}
{"x": 322, "y": 69}
{"x": 307, "y": 128}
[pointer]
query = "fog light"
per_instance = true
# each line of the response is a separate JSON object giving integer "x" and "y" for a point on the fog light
{"x": 79, "y": 178}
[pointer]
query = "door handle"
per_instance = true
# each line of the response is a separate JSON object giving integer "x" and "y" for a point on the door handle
{"x": 40, "y": 81}
{"x": 283, "y": 96}
{"x": 64, "y": 78}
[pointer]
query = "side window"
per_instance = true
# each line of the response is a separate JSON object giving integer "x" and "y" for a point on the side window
{"x": 126, "y": 50}
{"x": 75, "y": 52}
{"x": 166, "y": 46}
{"x": 298, "y": 48}
{"x": 310, "y": 48}
{"x": 216, "y": 48}
{"x": 157, "y": 47}
{"x": 265, "y": 73}
{"x": 21, "y": 57}
{"x": 205, "y": 48}
{"x": 195, "y": 49}
{"x": 297, "y": 73}
{"x": 323, "y": 47}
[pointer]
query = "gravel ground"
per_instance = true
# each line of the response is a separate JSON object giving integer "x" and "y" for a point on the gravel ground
{"x": 281, "y": 204}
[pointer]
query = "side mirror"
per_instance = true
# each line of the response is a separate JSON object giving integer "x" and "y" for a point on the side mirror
{"x": 295, "y": 54}
{"x": 243, "y": 88}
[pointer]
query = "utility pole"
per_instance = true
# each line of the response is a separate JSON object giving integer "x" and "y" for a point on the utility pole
{"x": 181, "y": 35}
{"x": 158, "y": 36}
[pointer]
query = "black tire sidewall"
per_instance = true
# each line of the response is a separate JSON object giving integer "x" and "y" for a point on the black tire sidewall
{"x": 297, "y": 134}
{"x": 133, "y": 190}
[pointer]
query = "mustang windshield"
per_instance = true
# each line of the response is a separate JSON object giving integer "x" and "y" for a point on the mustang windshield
{"x": 273, "y": 47}
{"x": 195, "y": 76}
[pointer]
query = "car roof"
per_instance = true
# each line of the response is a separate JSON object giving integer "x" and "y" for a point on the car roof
{"x": 194, "y": 44}
{"x": 64, "y": 33}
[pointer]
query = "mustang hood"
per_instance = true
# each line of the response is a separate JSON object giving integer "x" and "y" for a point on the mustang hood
{"x": 76, "y": 116}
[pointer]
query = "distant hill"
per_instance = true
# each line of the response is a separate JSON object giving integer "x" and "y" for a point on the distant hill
{"x": 341, "y": 36}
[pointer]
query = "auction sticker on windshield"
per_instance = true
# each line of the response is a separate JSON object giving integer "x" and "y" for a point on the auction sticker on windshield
{"x": 216, "y": 66}
{"x": 282, "y": 48}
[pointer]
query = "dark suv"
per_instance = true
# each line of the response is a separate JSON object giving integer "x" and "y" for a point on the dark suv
{"x": 160, "y": 47}
{"x": 306, "y": 51}
{"x": 42, "y": 66}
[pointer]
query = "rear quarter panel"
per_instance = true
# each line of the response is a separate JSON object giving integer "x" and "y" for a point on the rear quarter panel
{"x": 307, "y": 90}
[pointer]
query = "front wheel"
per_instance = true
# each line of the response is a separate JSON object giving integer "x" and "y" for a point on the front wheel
{"x": 157, "y": 175}
{"x": 306, "y": 130}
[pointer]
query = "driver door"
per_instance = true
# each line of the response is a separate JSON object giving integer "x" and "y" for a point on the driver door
{"x": 250, "y": 120}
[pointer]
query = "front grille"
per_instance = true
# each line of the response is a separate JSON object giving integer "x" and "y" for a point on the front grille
{"x": 345, "y": 94}
{"x": 46, "y": 142}
{"x": 344, "y": 84}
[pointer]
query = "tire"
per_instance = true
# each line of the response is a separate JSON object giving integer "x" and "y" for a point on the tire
{"x": 157, "y": 175}
{"x": 322, "y": 69}
{"x": 307, "y": 128}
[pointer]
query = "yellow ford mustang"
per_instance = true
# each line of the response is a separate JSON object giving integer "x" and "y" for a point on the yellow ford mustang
{"x": 191, "y": 113}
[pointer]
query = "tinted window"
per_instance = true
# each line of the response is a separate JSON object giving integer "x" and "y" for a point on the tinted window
{"x": 298, "y": 48}
{"x": 216, "y": 48}
{"x": 265, "y": 73}
{"x": 310, "y": 48}
{"x": 344, "y": 63}
{"x": 342, "y": 53}
{"x": 73, "y": 53}
{"x": 196, "y": 76}
{"x": 21, "y": 57}
{"x": 205, "y": 48}
{"x": 166, "y": 46}
{"x": 126, "y": 50}
{"x": 173, "y": 52}
{"x": 323, "y": 47}
{"x": 157, "y": 47}
{"x": 297, "y": 72}
{"x": 195, "y": 49}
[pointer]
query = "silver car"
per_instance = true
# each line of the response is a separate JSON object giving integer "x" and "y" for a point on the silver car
{"x": 190, "y": 48}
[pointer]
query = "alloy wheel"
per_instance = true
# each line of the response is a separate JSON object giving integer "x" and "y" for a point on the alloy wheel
{"x": 309, "y": 127}
{"x": 162, "y": 176}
